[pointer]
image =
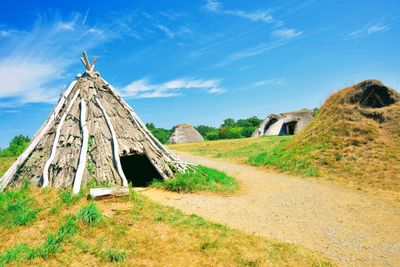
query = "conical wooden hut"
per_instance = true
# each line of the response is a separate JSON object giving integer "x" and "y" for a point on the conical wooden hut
{"x": 185, "y": 133}
{"x": 92, "y": 134}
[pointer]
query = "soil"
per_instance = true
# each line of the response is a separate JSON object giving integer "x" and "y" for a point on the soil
{"x": 350, "y": 227}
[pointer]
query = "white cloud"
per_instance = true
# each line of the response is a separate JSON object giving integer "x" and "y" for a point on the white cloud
{"x": 258, "y": 15}
{"x": 213, "y": 5}
{"x": 253, "y": 51}
{"x": 286, "y": 33}
{"x": 33, "y": 63}
{"x": 368, "y": 30}
{"x": 143, "y": 89}
{"x": 182, "y": 30}
{"x": 275, "y": 81}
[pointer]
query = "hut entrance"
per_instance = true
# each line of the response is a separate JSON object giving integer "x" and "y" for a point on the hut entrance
{"x": 139, "y": 170}
{"x": 289, "y": 128}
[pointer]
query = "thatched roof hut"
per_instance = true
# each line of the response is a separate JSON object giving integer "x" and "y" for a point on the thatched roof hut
{"x": 286, "y": 123}
{"x": 185, "y": 133}
{"x": 92, "y": 133}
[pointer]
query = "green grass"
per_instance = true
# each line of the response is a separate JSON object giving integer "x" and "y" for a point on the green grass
{"x": 90, "y": 214}
{"x": 298, "y": 161}
{"x": 5, "y": 163}
{"x": 200, "y": 179}
{"x": 114, "y": 255}
{"x": 266, "y": 151}
{"x": 237, "y": 150}
{"x": 17, "y": 208}
{"x": 53, "y": 243}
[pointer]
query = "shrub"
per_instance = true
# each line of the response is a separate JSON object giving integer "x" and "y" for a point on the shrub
{"x": 200, "y": 179}
{"x": 17, "y": 208}
{"x": 90, "y": 214}
{"x": 114, "y": 255}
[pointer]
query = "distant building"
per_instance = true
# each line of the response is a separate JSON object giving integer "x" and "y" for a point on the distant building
{"x": 287, "y": 123}
{"x": 185, "y": 133}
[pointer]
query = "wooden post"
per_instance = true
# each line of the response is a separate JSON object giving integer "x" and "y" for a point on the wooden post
{"x": 86, "y": 63}
{"x": 83, "y": 155}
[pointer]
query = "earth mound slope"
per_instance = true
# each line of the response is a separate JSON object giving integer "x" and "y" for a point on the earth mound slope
{"x": 356, "y": 136}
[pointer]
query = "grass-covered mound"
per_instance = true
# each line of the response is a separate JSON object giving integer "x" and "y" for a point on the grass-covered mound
{"x": 199, "y": 179}
{"x": 355, "y": 138}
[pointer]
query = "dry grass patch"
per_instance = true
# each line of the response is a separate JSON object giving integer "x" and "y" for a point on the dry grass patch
{"x": 5, "y": 163}
{"x": 137, "y": 231}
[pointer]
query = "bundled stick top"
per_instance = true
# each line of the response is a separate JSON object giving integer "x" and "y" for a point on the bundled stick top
{"x": 92, "y": 136}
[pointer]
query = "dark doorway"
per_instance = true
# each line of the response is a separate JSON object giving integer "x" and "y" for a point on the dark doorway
{"x": 139, "y": 170}
{"x": 288, "y": 128}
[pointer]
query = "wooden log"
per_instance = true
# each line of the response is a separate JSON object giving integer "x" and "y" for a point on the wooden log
{"x": 55, "y": 143}
{"x": 117, "y": 162}
{"x": 6, "y": 179}
{"x": 83, "y": 155}
{"x": 86, "y": 58}
{"x": 104, "y": 192}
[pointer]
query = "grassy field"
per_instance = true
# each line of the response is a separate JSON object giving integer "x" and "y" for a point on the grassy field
{"x": 5, "y": 162}
{"x": 272, "y": 152}
{"x": 52, "y": 227}
{"x": 238, "y": 150}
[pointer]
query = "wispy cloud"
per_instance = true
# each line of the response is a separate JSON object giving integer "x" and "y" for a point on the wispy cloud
{"x": 274, "y": 81}
{"x": 213, "y": 5}
{"x": 182, "y": 30}
{"x": 368, "y": 30}
{"x": 286, "y": 33}
{"x": 257, "y": 15}
{"x": 33, "y": 62}
{"x": 144, "y": 89}
{"x": 253, "y": 51}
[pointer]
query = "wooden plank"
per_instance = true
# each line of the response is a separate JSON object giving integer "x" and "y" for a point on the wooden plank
{"x": 104, "y": 192}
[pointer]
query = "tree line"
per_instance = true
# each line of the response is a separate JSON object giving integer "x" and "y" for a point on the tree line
{"x": 229, "y": 129}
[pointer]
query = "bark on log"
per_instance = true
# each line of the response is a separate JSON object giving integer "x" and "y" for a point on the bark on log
{"x": 55, "y": 143}
{"x": 117, "y": 161}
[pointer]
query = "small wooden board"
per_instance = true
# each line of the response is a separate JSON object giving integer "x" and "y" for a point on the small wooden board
{"x": 105, "y": 192}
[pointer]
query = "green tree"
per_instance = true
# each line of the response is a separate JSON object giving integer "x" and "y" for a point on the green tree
{"x": 206, "y": 131}
{"x": 16, "y": 147}
{"x": 160, "y": 133}
{"x": 228, "y": 122}
{"x": 212, "y": 135}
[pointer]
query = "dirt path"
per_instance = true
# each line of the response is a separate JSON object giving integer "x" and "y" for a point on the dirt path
{"x": 350, "y": 227}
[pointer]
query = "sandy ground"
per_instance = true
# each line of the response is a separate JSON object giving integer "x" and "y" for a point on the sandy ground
{"x": 351, "y": 227}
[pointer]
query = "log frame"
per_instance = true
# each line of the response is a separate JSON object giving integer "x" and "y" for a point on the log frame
{"x": 180, "y": 165}
{"x": 55, "y": 142}
{"x": 6, "y": 178}
{"x": 117, "y": 161}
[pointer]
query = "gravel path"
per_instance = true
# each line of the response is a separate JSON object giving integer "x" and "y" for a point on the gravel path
{"x": 351, "y": 227}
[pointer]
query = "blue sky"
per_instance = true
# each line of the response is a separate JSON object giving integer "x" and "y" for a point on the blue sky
{"x": 193, "y": 61}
